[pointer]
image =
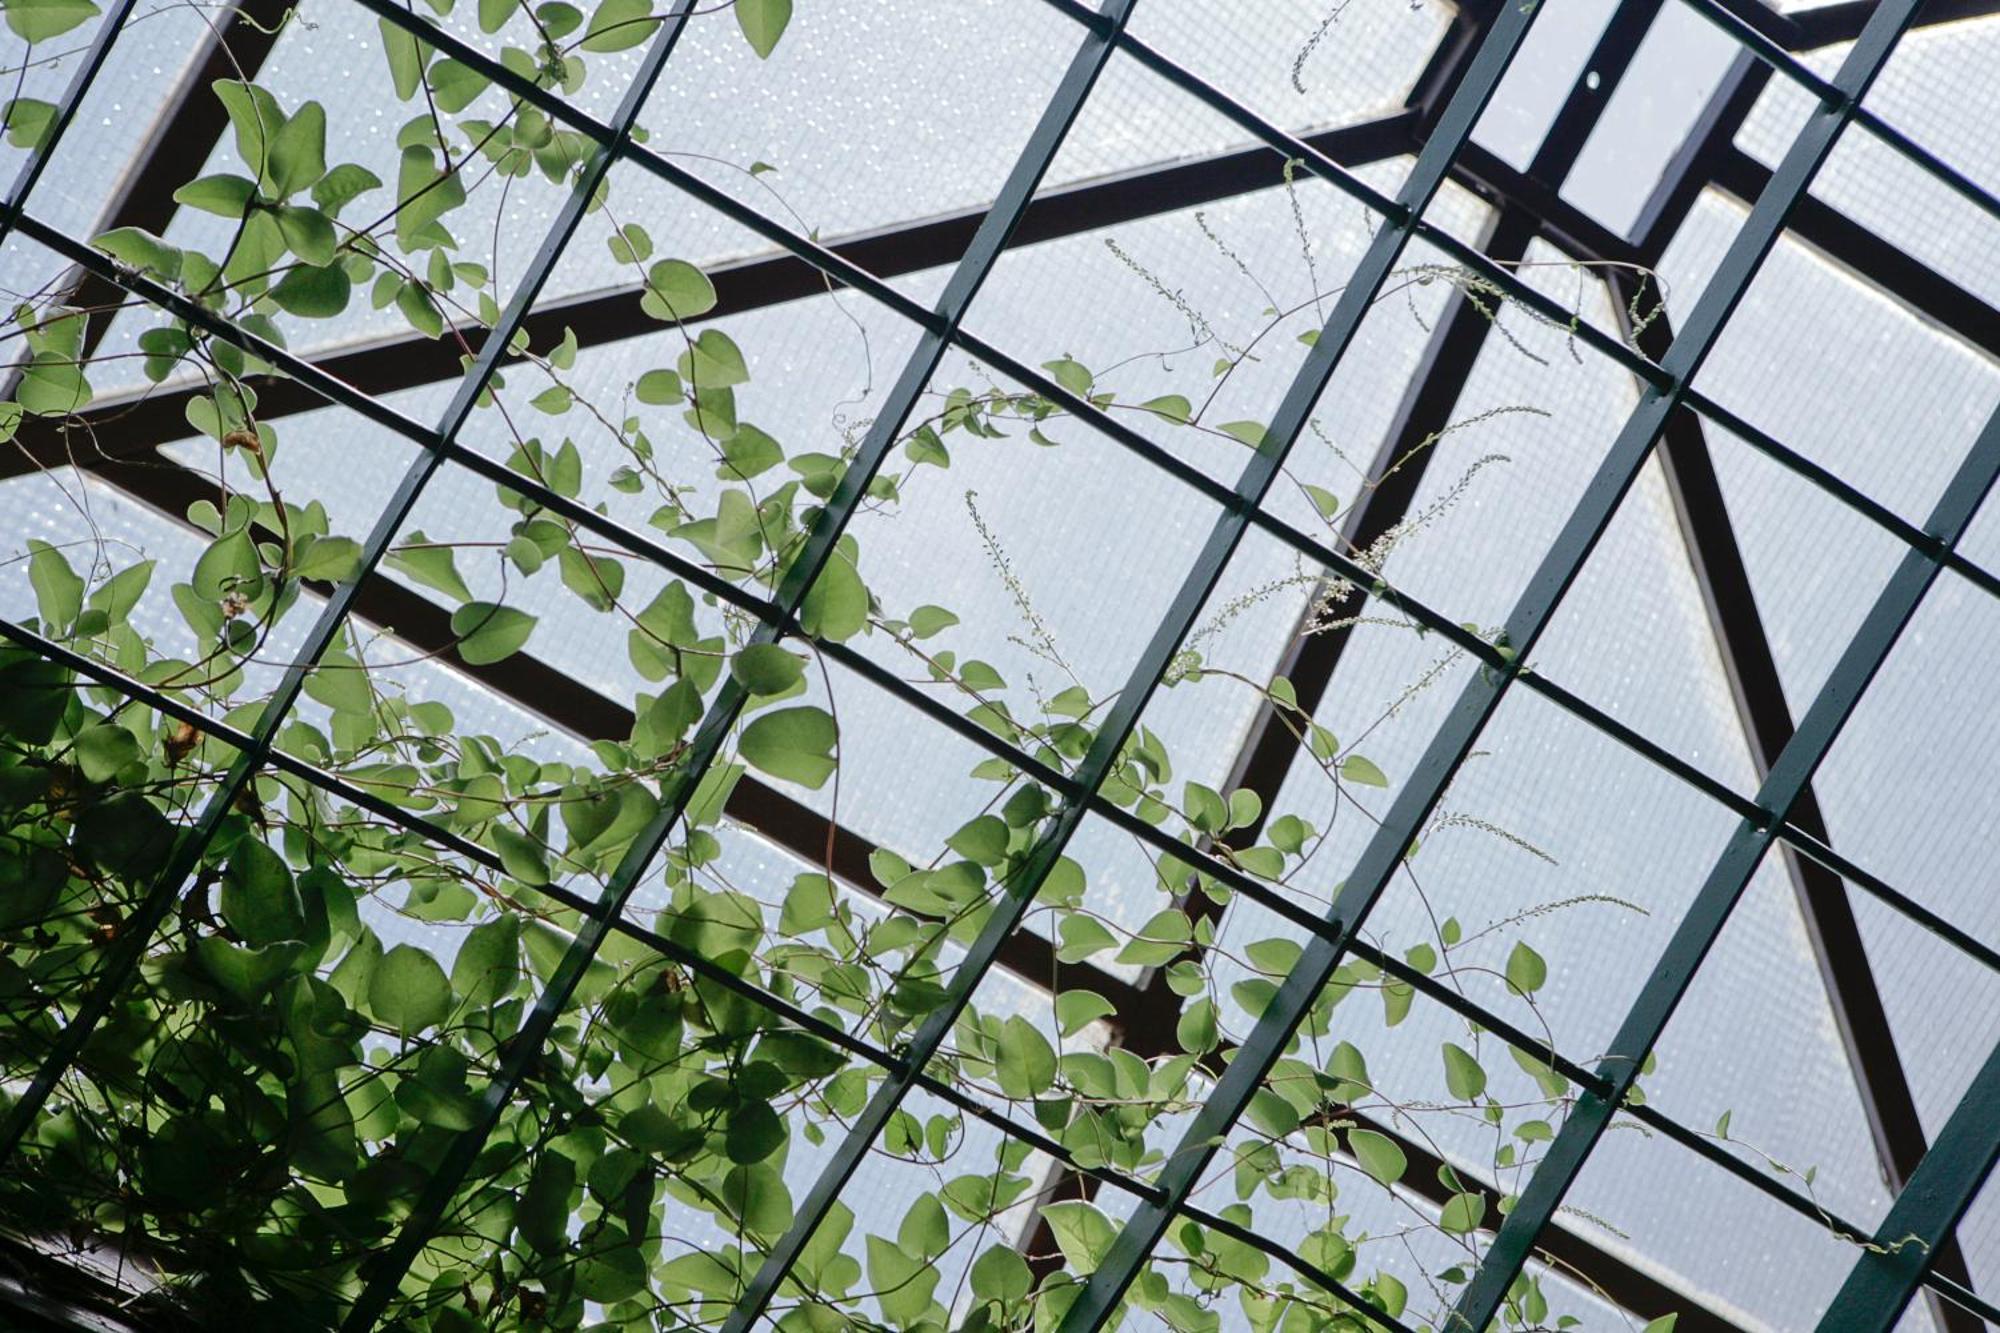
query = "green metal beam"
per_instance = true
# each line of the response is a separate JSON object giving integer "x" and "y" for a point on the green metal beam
{"x": 1924, "y": 1215}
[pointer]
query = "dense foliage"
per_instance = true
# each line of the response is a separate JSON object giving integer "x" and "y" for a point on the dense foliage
{"x": 325, "y": 998}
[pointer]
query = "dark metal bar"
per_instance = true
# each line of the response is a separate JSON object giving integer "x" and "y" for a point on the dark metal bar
{"x": 837, "y": 268}
{"x": 1920, "y": 1224}
{"x": 1481, "y": 695}
{"x": 721, "y": 716}
{"x": 1887, "y": 267}
{"x": 283, "y": 761}
{"x": 1753, "y": 26}
{"x": 1766, "y": 720}
{"x": 405, "y": 361}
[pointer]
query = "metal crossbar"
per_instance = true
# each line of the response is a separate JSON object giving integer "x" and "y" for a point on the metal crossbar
{"x": 1884, "y": 1277}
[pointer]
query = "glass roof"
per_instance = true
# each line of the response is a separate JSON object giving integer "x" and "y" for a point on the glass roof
{"x": 1001, "y": 665}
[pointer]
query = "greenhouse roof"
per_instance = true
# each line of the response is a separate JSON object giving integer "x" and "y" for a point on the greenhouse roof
{"x": 993, "y": 664}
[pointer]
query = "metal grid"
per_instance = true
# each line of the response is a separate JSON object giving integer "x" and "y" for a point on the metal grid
{"x": 1938, "y": 1185}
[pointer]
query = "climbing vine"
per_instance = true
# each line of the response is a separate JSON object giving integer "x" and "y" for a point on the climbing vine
{"x": 314, "y": 1021}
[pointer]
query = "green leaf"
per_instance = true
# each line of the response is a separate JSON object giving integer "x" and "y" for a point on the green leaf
{"x": 298, "y": 151}
{"x": 489, "y": 633}
{"x": 455, "y": 86}
{"x": 256, "y": 119}
{"x": 423, "y": 195}
{"x": 341, "y": 186}
{"x": 1083, "y": 936}
{"x": 1160, "y": 940}
{"x": 330, "y": 558}
{"x": 28, "y": 121}
{"x": 489, "y": 962}
{"x": 104, "y": 750}
{"x": 684, "y": 290}
{"x": 983, "y": 840}
{"x": 58, "y": 591}
{"x": 408, "y": 990}
{"x": 520, "y": 855}
{"x": 1378, "y": 1154}
{"x": 1357, "y": 769}
{"x": 1197, "y": 1031}
{"x": 1082, "y": 1233}
{"x": 1002, "y": 1276}
{"x": 406, "y": 59}
{"x": 430, "y": 565}
{"x": 1024, "y": 1062}
{"x": 1173, "y": 407}
{"x": 1664, "y": 1324}
{"x": 753, "y": 1132}
{"x": 658, "y": 387}
{"x": 1072, "y": 375}
{"x": 763, "y": 23}
{"x": 1462, "y": 1213}
{"x": 1076, "y": 1009}
{"x": 229, "y": 565}
{"x": 39, "y": 20}
{"x": 836, "y": 606}
{"x": 928, "y": 620}
{"x": 246, "y": 973}
{"x": 119, "y": 594}
{"x": 1463, "y": 1074}
{"x": 1525, "y": 969}
{"x": 493, "y": 14}
{"x": 141, "y": 250}
{"x": 610, "y": 1269}
{"x": 795, "y": 744}
{"x": 715, "y": 362}
{"x": 767, "y": 668}
{"x": 619, "y": 24}
{"x": 308, "y": 232}
{"x": 258, "y": 898}
{"x": 313, "y": 293}
{"x": 224, "y": 195}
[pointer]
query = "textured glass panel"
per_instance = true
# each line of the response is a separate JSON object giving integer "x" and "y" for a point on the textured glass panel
{"x": 1534, "y": 418}
{"x": 1300, "y": 63}
{"x": 861, "y": 110}
{"x": 1906, "y": 794}
{"x": 1555, "y": 53}
{"x": 1755, "y": 1041}
{"x": 1679, "y": 64}
{"x": 1876, "y": 395}
{"x": 1686, "y": 1215}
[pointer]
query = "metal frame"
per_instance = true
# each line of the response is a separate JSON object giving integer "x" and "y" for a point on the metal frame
{"x": 1469, "y": 64}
